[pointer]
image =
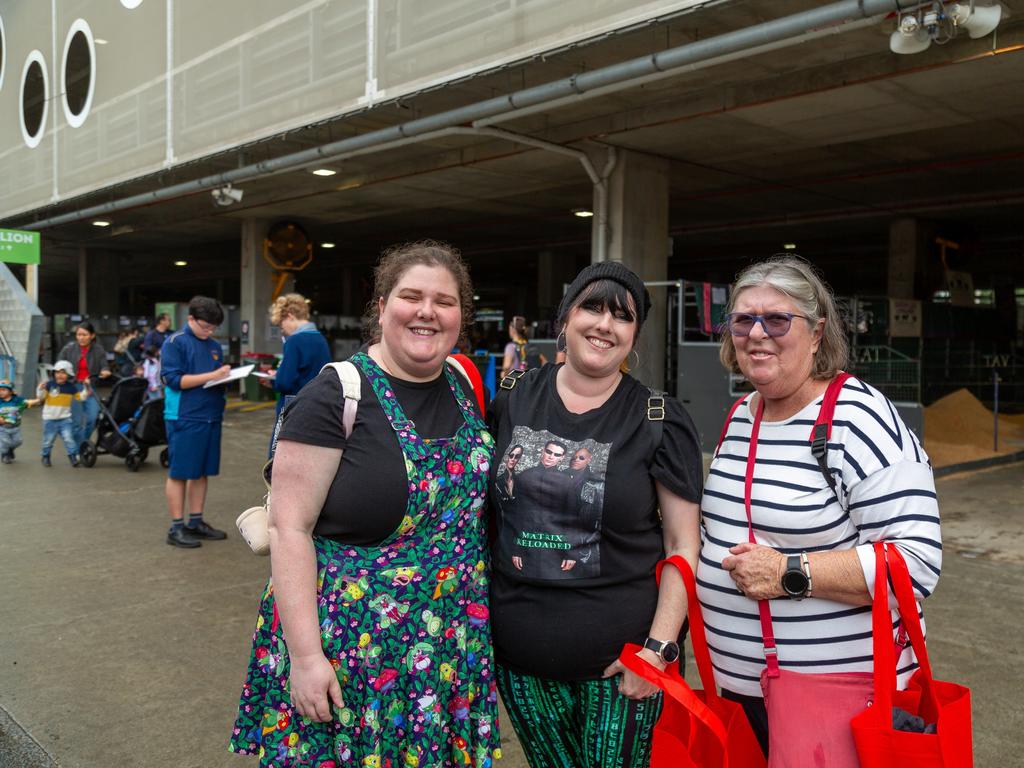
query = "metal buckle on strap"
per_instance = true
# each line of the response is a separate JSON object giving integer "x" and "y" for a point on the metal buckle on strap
{"x": 398, "y": 426}
{"x": 771, "y": 651}
{"x": 655, "y": 408}
{"x": 511, "y": 378}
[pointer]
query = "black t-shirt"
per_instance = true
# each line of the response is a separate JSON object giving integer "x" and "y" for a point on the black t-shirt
{"x": 579, "y": 533}
{"x": 369, "y": 495}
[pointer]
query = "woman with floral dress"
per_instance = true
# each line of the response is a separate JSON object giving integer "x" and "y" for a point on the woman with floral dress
{"x": 372, "y": 646}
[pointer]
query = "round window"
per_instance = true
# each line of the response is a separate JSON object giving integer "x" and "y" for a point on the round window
{"x": 34, "y": 98}
{"x": 78, "y": 72}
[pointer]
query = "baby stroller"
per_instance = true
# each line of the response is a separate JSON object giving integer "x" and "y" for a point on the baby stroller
{"x": 128, "y": 426}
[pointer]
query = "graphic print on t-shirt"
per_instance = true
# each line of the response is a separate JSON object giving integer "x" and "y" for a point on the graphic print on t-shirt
{"x": 550, "y": 498}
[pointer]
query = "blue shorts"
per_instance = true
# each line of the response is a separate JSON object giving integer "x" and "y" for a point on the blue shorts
{"x": 194, "y": 448}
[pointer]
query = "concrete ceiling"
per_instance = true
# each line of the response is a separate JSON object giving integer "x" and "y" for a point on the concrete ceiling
{"x": 820, "y": 143}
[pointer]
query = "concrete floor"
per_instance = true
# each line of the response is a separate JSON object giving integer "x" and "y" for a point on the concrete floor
{"x": 118, "y": 650}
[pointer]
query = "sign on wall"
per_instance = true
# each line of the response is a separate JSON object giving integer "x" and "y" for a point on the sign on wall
{"x": 19, "y": 247}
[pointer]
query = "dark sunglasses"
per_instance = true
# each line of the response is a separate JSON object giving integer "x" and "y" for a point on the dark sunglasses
{"x": 549, "y": 452}
{"x": 772, "y": 323}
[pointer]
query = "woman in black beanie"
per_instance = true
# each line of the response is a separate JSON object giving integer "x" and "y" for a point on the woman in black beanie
{"x": 607, "y": 484}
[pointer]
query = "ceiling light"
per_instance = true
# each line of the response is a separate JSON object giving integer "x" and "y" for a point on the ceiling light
{"x": 99, "y": 41}
{"x": 977, "y": 20}
{"x": 324, "y": 172}
{"x": 101, "y": 223}
{"x": 476, "y": 297}
{"x": 932, "y": 23}
{"x": 326, "y": 245}
{"x": 789, "y": 246}
{"x": 181, "y": 263}
{"x": 583, "y": 213}
{"x": 226, "y": 195}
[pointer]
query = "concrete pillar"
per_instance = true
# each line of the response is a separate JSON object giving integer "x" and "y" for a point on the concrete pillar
{"x": 638, "y": 237}
{"x": 257, "y": 288}
{"x": 99, "y": 282}
{"x": 905, "y": 243}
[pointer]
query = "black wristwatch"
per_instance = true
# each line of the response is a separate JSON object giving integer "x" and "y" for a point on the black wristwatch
{"x": 667, "y": 650}
{"x": 795, "y": 582}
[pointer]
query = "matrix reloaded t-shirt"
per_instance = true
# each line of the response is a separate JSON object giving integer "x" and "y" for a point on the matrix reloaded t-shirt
{"x": 579, "y": 534}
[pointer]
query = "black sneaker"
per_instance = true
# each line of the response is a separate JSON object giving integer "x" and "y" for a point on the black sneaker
{"x": 203, "y": 530}
{"x": 46, "y": 461}
{"x": 74, "y": 460}
{"x": 180, "y": 537}
{"x": 10, "y": 455}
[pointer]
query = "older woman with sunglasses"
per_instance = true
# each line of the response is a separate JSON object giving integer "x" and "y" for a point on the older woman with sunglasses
{"x": 805, "y": 550}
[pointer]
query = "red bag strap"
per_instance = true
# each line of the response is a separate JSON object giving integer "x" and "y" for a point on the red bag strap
{"x": 822, "y": 429}
{"x": 674, "y": 686}
{"x": 698, "y": 638}
{"x": 881, "y": 631}
{"x": 725, "y": 427}
{"x": 468, "y": 369}
{"x": 771, "y": 652}
{"x": 910, "y": 621}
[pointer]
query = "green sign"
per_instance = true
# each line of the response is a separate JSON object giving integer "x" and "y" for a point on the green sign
{"x": 18, "y": 247}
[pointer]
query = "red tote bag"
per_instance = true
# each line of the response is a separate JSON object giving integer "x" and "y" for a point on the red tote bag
{"x": 948, "y": 705}
{"x": 697, "y": 729}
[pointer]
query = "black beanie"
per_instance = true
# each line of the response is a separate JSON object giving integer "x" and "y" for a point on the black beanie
{"x": 609, "y": 270}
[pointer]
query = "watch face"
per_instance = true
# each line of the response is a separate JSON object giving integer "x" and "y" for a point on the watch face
{"x": 795, "y": 583}
{"x": 669, "y": 652}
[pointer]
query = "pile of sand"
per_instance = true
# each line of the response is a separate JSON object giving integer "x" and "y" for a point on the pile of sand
{"x": 958, "y": 428}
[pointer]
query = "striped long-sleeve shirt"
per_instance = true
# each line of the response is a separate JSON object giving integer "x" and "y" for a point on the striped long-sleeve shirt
{"x": 885, "y": 493}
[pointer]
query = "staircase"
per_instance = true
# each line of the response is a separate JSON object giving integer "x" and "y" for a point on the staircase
{"x": 21, "y": 331}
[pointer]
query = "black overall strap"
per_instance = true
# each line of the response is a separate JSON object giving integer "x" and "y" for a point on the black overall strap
{"x": 656, "y": 417}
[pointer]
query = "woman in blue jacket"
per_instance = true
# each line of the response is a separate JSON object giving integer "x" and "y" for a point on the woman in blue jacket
{"x": 305, "y": 348}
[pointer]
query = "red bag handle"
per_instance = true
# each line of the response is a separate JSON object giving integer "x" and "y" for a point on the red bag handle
{"x": 698, "y": 638}
{"x": 885, "y": 656}
{"x": 673, "y": 685}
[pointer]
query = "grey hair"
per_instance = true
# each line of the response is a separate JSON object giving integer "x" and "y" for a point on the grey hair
{"x": 797, "y": 278}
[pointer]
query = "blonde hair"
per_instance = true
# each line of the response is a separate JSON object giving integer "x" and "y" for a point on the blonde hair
{"x": 795, "y": 276}
{"x": 293, "y": 304}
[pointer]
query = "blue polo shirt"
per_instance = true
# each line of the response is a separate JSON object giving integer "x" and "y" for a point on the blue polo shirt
{"x": 185, "y": 354}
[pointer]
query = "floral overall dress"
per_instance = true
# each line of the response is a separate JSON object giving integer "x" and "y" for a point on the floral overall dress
{"x": 404, "y": 623}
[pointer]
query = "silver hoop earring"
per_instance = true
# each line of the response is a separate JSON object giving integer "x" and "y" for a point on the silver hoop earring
{"x": 637, "y": 358}
{"x": 560, "y": 343}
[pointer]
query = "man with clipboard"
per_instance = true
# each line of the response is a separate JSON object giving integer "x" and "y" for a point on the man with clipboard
{"x": 190, "y": 360}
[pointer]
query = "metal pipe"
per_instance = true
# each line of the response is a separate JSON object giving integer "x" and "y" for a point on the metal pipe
{"x": 621, "y": 75}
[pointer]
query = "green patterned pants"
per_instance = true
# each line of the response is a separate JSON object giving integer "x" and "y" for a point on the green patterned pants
{"x": 584, "y": 724}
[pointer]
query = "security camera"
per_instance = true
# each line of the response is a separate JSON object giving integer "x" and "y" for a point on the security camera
{"x": 226, "y": 195}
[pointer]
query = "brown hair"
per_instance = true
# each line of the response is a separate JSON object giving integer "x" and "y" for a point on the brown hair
{"x": 397, "y": 260}
{"x": 293, "y": 304}
{"x": 797, "y": 278}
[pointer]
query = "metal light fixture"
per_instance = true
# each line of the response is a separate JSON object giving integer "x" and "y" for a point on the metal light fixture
{"x": 324, "y": 172}
{"x": 326, "y": 245}
{"x": 101, "y": 223}
{"x": 181, "y": 263}
{"x": 932, "y": 22}
{"x": 582, "y": 213}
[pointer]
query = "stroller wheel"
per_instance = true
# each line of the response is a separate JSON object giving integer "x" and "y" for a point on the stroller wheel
{"x": 88, "y": 454}
{"x": 165, "y": 459}
{"x": 133, "y": 461}
{"x": 143, "y": 454}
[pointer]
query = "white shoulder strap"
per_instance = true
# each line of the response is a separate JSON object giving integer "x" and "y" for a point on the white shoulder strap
{"x": 462, "y": 371}
{"x": 352, "y": 386}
